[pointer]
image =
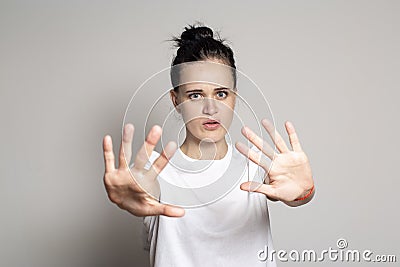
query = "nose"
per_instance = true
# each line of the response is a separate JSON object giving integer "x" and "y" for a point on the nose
{"x": 210, "y": 107}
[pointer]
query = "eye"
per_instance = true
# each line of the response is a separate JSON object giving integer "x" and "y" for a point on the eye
{"x": 222, "y": 94}
{"x": 194, "y": 96}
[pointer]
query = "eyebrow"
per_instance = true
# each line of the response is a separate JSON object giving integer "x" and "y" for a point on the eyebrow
{"x": 200, "y": 90}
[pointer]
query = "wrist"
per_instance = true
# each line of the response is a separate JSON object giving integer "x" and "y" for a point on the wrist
{"x": 306, "y": 195}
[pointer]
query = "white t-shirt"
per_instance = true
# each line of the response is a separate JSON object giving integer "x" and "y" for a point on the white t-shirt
{"x": 229, "y": 231}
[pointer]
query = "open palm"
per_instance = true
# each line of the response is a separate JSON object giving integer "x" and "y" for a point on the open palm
{"x": 138, "y": 194}
{"x": 288, "y": 175}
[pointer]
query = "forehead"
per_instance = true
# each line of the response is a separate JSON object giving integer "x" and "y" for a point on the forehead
{"x": 206, "y": 74}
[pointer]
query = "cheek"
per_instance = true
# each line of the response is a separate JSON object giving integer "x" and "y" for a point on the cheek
{"x": 226, "y": 112}
{"x": 226, "y": 120}
{"x": 192, "y": 127}
{"x": 191, "y": 111}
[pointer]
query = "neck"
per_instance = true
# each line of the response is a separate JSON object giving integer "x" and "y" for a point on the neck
{"x": 196, "y": 149}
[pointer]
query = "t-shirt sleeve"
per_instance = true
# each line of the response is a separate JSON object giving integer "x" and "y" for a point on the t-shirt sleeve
{"x": 149, "y": 222}
{"x": 149, "y": 230}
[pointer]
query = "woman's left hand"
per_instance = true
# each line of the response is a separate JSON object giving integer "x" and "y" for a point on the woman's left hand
{"x": 289, "y": 172}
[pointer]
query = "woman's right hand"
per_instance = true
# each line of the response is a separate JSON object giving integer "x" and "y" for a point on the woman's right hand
{"x": 138, "y": 194}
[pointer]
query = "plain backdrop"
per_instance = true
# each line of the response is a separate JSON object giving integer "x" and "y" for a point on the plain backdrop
{"x": 69, "y": 68}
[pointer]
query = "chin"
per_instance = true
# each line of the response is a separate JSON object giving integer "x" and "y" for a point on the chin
{"x": 212, "y": 137}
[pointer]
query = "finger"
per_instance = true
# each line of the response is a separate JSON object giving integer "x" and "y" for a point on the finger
{"x": 125, "y": 150}
{"x": 159, "y": 164}
{"x": 254, "y": 156}
{"x": 258, "y": 142}
{"x": 294, "y": 140}
{"x": 109, "y": 160}
{"x": 265, "y": 189}
{"x": 148, "y": 146}
{"x": 275, "y": 136}
{"x": 169, "y": 210}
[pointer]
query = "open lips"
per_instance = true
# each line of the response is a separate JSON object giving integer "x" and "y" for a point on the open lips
{"x": 211, "y": 124}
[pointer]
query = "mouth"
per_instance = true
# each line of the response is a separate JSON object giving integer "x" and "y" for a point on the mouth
{"x": 211, "y": 124}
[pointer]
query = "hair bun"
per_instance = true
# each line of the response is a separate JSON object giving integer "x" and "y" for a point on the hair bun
{"x": 193, "y": 33}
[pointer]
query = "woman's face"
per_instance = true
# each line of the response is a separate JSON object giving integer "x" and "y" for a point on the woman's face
{"x": 206, "y": 99}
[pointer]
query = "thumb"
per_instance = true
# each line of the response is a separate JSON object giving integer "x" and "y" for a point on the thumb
{"x": 262, "y": 188}
{"x": 171, "y": 211}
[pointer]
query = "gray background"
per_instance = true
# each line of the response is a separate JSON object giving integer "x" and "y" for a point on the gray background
{"x": 68, "y": 69}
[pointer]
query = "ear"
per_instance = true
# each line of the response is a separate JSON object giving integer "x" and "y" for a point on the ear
{"x": 174, "y": 99}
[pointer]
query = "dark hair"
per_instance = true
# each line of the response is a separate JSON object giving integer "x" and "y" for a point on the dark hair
{"x": 197, "y": 43}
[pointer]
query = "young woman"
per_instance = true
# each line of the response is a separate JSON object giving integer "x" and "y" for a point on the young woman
{"x": 232, "y": 230}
